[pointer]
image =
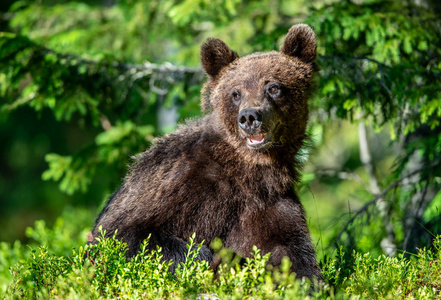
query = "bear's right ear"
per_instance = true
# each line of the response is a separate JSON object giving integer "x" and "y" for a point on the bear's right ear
{"x": 216, "y": 55}
{"x": 300, "y": 42}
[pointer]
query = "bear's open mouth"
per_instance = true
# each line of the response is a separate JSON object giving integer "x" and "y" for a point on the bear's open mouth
{"x": 262, "y": 140}
{"x": 256, "y": 139}
{"x": 258, "y": 142}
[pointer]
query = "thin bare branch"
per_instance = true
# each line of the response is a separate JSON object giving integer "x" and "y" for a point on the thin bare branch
{"x": 383, "y": 193}
{"x": 339, "y": 175}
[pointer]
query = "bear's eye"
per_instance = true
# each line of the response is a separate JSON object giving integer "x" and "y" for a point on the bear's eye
{"x": 273, "y": 89}
{"x": 236, "y": 95}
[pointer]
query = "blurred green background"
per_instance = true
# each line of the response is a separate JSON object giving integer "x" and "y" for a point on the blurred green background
{"x": 85, "y": 85}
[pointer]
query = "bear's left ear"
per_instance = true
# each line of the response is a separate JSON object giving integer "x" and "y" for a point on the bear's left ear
{"x": 216, "y": 55}
{"x": 300, "y": 42}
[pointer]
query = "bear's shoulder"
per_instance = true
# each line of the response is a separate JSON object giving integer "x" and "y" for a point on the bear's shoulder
{"x": 194, "y": 142}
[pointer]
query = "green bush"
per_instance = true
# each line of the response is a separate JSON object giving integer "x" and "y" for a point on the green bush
{"x": 44, "y": 269}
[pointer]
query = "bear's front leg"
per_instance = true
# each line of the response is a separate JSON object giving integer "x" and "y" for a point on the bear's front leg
{"x": 279, "y": 229}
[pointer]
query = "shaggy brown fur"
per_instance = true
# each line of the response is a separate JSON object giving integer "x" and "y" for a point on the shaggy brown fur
{"x": 229, "y": 174}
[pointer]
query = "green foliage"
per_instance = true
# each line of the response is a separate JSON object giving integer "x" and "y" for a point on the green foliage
{"x": 95, "y": 94}
{"x": 102, "y": 271}
{"x": 66, "y": 233}
{"x": 379, "y": 63}
{"x": 40, "y": 271}
{"x": 385, "y": 64}
{"x": 9, "y": 256}
{"x": 396, "y": 277}
{"x": 184, "y": 13}
{"x": 88, "y": 66}
{"x": 111, "y": 147}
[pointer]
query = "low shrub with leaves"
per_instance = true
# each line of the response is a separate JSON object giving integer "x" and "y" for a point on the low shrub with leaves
{"x": 46, "y": 270}
{"x": 103, "y": 271}
{"x": 368, "y": 277}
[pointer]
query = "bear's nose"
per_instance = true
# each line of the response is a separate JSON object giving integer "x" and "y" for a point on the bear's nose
{"x": 249, "y": 119}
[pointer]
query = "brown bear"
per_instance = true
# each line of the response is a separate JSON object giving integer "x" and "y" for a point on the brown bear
{"x": 231, "y": 173}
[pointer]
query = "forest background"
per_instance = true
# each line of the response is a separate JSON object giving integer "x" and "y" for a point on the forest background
{"x": 85, "y": 85}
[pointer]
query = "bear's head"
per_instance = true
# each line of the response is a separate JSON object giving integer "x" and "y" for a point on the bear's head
{"x": 259, "y": 102}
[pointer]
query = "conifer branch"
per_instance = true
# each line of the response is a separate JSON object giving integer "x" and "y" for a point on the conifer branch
{"x": 147, "y": 67}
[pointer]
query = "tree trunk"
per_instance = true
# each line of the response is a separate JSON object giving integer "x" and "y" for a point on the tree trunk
{"x": 388, "y": 243}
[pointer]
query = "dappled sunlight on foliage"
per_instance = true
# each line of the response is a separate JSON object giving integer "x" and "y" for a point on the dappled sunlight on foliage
{"x": 84, "y": 87}
{"x": 102, "y": 271}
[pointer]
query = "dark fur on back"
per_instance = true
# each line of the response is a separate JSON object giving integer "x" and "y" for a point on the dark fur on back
{"x": 218, "y": 176}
